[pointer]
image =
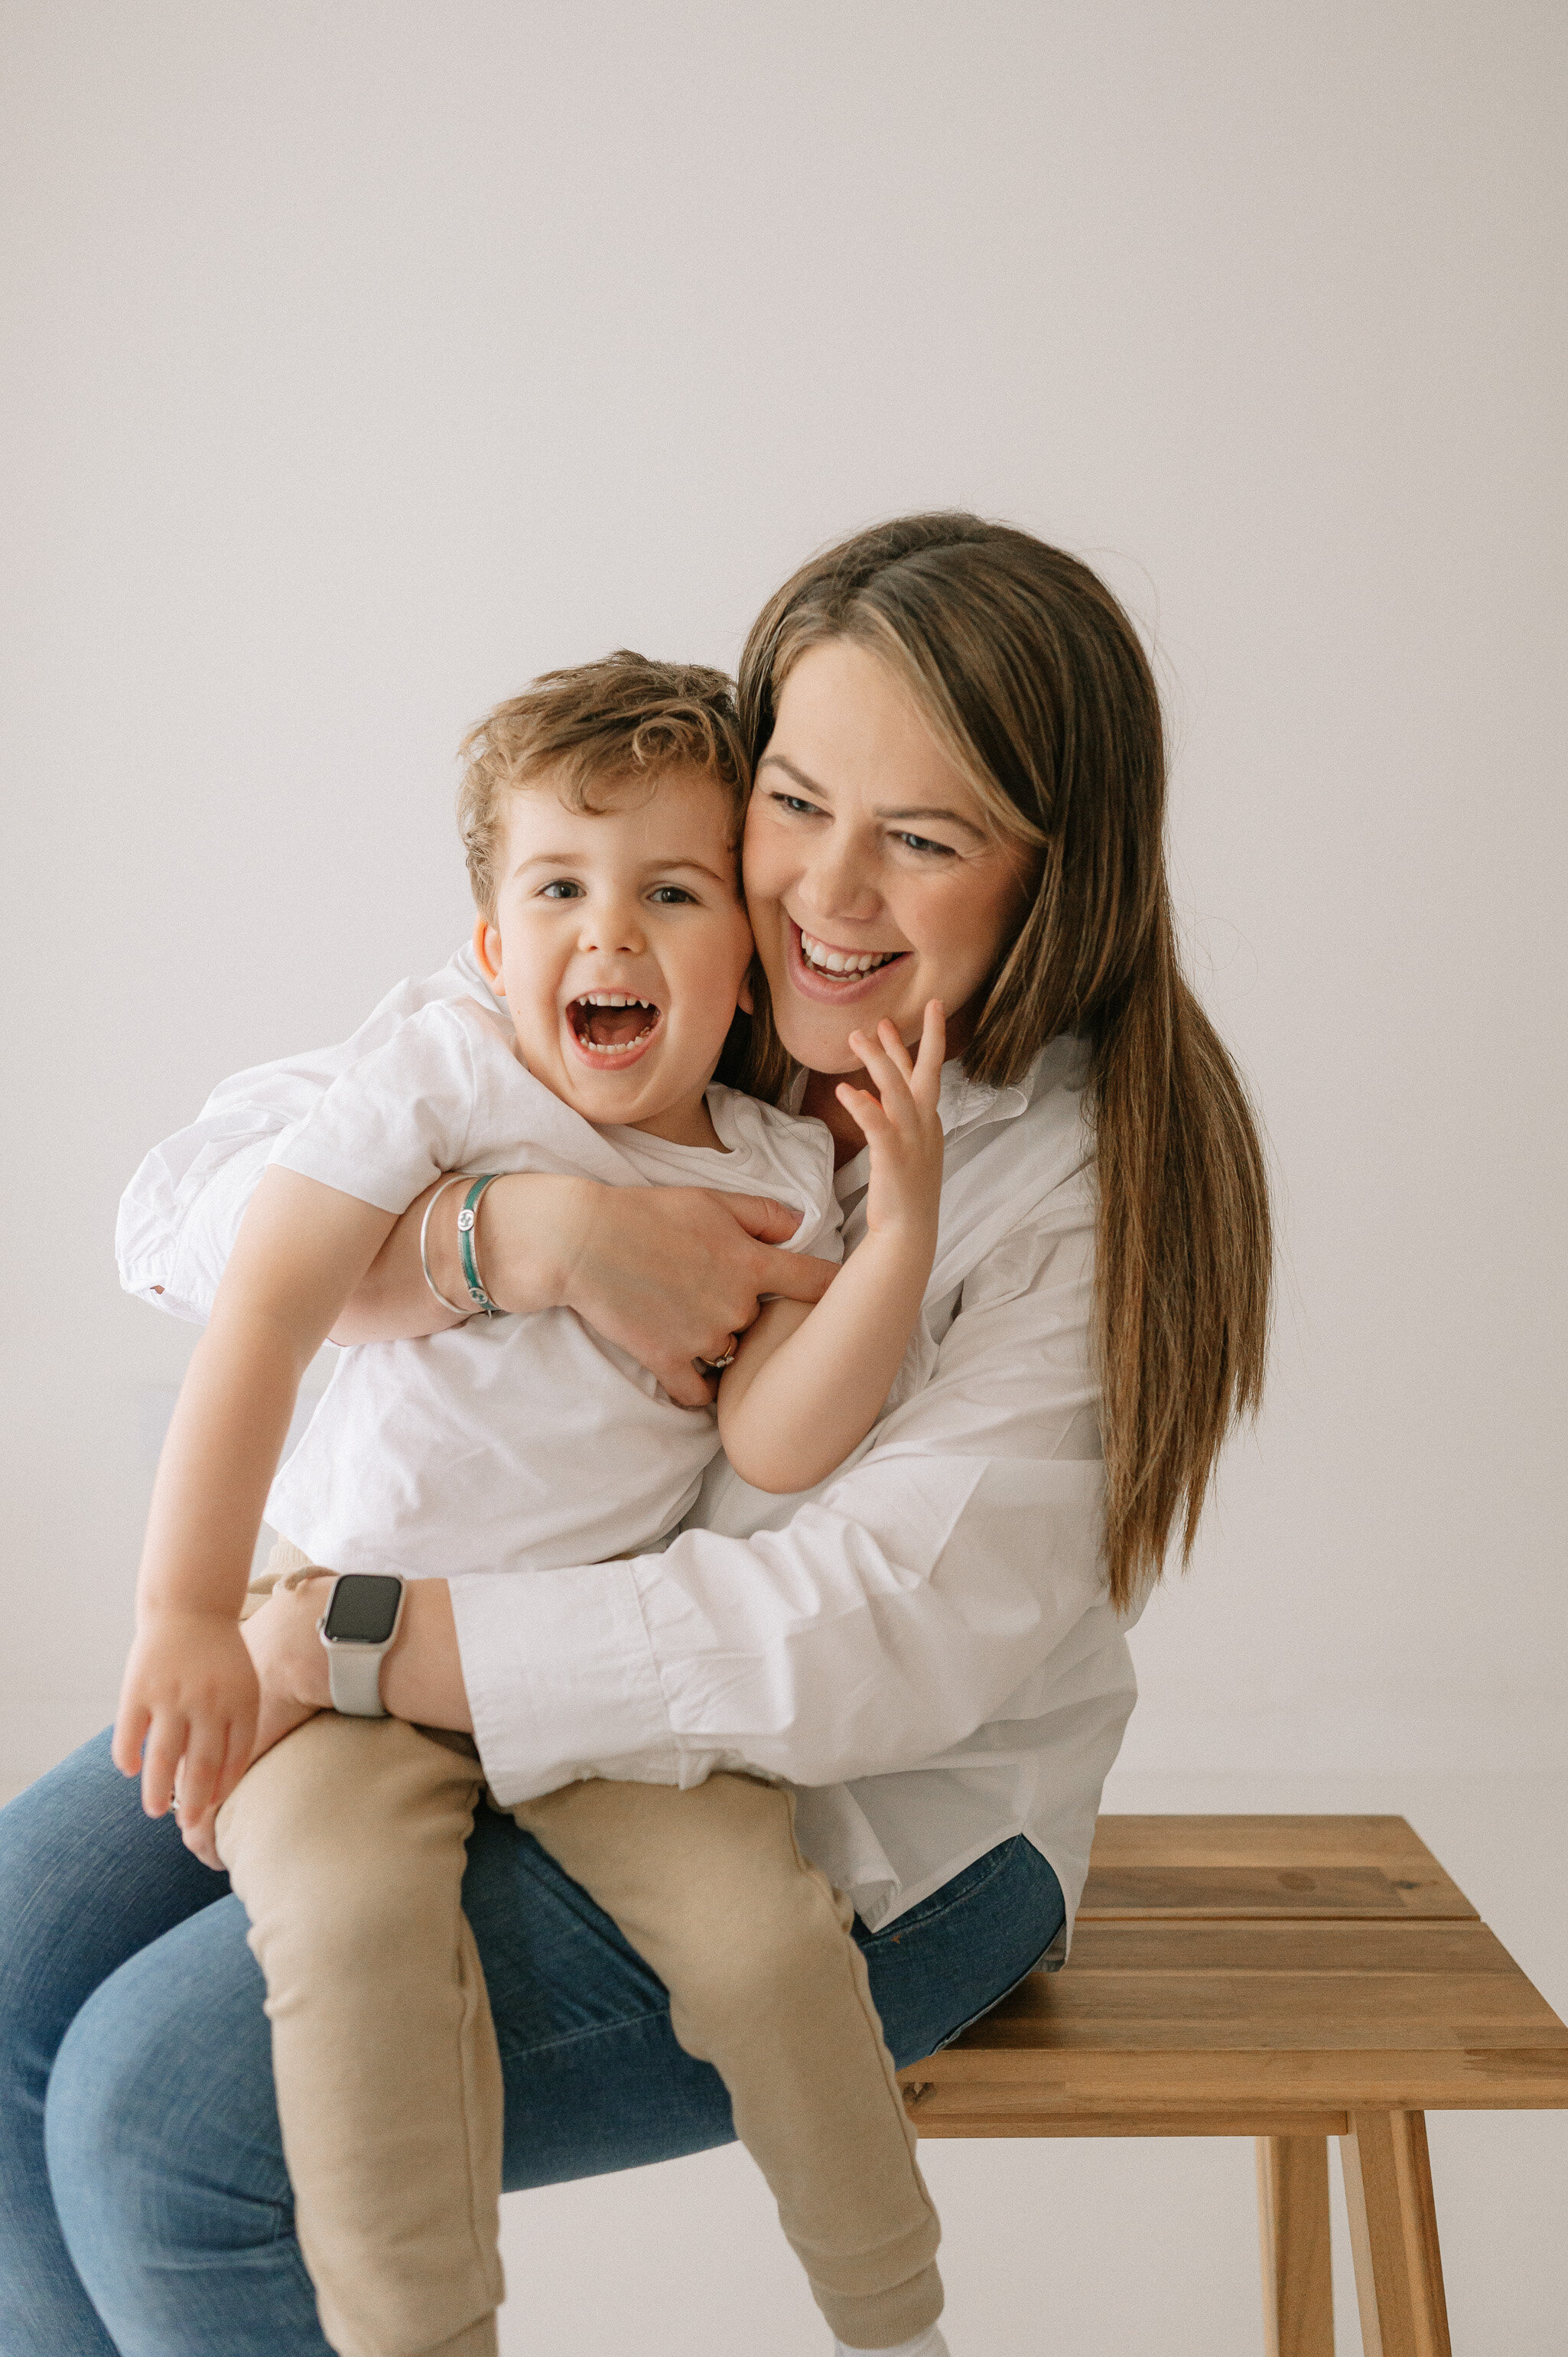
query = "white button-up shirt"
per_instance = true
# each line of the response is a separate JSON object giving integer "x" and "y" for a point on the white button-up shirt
{"x": 923, "y": 1645}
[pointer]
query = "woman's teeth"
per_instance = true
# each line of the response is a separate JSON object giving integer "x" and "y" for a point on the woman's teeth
{"x": 827, "y": 961}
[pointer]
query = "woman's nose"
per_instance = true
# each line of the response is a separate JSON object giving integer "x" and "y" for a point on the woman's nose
{"x": 839, "y": 880}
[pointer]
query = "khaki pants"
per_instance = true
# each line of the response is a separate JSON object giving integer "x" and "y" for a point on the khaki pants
{"x": 347, "y": 1844}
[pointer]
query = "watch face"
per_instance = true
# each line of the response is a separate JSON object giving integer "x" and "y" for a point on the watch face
{"x": 363, "y": 1609}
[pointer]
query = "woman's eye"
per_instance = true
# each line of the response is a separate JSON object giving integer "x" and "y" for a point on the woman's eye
{"x": 923, "y": 843}
{"x": 562, "y": 890}
{"x": 669, "y": 896}
{"x": 796, "y": 805}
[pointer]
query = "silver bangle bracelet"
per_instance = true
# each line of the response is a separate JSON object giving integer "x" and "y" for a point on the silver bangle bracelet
{"x": 458, "y": 1309}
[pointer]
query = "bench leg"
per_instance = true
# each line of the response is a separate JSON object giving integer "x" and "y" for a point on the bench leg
{"x": 1394, "y": 2233}
{"x": 1292, "y": 2220}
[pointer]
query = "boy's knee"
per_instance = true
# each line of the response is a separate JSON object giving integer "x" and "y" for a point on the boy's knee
{"x": 364, "y": 1806}
{"x": 327, "y": 1917}
{"x": 332, "y": 1950}
{"x": 765, "y": 1960}
{"x": 277, "y": 1851}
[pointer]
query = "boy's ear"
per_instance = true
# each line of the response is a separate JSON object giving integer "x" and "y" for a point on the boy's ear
{"x": 743, "y": 998}
{"x": 487, "y": 950}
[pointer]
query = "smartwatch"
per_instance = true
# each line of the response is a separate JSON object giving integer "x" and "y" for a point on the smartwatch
{"x": 357, "y": 1628}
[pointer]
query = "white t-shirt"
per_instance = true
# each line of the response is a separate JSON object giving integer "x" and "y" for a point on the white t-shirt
{"x": 513, "y": 1443}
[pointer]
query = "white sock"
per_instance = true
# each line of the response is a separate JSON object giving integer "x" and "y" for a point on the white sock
{"x": 929, "y": 2343}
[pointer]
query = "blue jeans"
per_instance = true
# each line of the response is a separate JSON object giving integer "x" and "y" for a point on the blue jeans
{"x": 145, "y": 2206}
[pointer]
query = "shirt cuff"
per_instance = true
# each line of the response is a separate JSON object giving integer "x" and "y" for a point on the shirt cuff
{"x": 561, "y": 1679}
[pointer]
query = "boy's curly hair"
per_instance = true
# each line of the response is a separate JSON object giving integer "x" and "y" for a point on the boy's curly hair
{"x": 624, "y": 716}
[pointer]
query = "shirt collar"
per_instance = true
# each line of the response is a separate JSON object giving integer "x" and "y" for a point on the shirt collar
{"x": 962, "y": 1103}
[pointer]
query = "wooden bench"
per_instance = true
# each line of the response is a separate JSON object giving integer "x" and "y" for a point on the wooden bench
{"x": 1286, "y": 1978}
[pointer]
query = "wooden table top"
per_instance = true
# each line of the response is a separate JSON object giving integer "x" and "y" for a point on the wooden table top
{"x": 1254, "y": 1975}
{"x": 1299, "y": 1868}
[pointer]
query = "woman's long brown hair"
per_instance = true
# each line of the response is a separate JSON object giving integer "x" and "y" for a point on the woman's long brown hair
{"x": 1037, "y": 687}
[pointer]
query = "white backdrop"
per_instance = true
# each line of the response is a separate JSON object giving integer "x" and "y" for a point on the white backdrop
{"x": 367, "y": 359}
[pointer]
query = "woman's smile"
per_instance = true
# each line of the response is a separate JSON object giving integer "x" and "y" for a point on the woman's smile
{"x": 837, "y": 977}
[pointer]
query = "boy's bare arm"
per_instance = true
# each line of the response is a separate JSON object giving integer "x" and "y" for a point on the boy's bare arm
{"x": 808, "y": 1384}
{"x": 189, "y": 1691}
{"x": 811, "y": 1381}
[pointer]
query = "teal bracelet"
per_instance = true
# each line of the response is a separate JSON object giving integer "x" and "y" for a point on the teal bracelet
{"x": 466, "y": 1218}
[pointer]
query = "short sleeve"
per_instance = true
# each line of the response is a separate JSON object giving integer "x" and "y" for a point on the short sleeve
{"x": 820, "y": 1232}
{"x": 395, "y": 1120}
{"x": 791, "y": 1159}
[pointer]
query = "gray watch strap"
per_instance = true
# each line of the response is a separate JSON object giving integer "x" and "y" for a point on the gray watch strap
{"x": 354, "y": 1673}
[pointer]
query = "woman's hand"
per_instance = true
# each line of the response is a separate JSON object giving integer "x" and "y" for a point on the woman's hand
{"x": 673, "y": 1274}
{"x": 284, "y": 1642}
{"x": 668, "y": 1274}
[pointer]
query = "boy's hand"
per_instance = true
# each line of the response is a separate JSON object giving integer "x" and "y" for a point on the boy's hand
{"x": 188, "y": 1711}
{"x": 901, "y": 1125}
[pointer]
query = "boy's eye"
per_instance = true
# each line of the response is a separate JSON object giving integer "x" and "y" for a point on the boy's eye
{"x": 669, "y": 896}
{"x": 562, "y": 890}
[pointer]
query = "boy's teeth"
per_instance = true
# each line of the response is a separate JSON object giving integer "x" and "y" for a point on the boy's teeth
{"x": 605, "y": 1011}
{"x": 617, "y": 1047}
{"x": 829, "y": 960}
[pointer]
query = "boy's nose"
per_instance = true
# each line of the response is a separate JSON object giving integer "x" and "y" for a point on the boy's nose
{"x": 614, "y": 928}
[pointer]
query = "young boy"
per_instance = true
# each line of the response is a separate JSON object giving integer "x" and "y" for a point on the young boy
{"x": 601, "y": 814}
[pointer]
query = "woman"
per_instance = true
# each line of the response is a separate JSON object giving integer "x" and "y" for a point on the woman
{"x": 959, "y": 794}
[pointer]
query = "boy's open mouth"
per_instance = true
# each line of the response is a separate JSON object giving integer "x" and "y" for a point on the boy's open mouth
{"x": 609, "y": 1023}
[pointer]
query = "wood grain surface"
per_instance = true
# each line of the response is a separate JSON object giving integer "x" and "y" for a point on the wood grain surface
{"x": 1281, "y": 2016}
{"x": 1241, "y": 1866}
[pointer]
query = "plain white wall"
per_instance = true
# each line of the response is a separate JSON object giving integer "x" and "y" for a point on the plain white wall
{"x": 367, "y": 359}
